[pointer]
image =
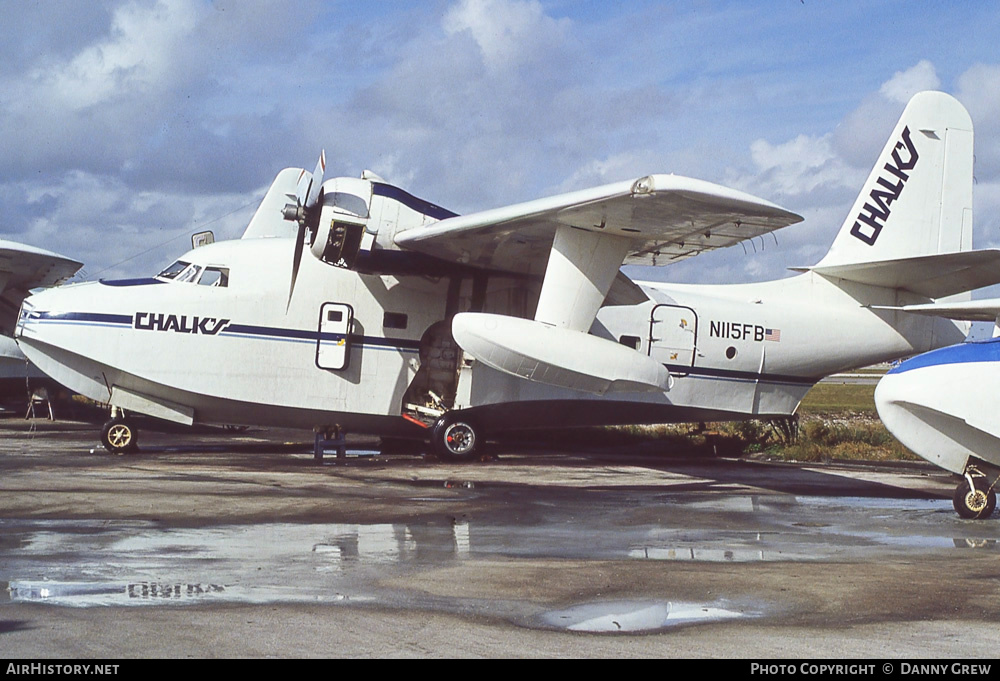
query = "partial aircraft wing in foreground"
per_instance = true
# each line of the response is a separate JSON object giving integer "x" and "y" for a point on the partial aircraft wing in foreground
{"x": 23, "y": 268}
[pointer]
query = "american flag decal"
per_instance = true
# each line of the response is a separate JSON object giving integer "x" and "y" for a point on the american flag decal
{"x": 772, "y": 335}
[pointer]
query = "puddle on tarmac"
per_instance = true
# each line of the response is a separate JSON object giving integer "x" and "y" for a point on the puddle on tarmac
{"x": 102, "y": 563}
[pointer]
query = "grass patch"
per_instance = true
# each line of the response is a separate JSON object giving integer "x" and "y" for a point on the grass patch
{"x": 821, "y": 439}
{"x": 838, "y": 398}
{"x": 814, "y": 438}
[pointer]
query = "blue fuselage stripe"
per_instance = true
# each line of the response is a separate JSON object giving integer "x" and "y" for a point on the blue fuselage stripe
{"x": 978, "y": 351}
{"x": 240, "y": 330}
{"x": 82, "y": 317}
{"x": 410, "y": 201}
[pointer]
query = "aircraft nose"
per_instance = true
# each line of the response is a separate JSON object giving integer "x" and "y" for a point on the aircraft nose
{"x": 26, "y": 316}
{"x": 891, "y": 389}
{"x": 926, "y": 409}
{"x": 51, "y": 317}
{"x": 900, "y": 397}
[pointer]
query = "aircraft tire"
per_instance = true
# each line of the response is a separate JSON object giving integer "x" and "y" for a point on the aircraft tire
{"x": 119, "y": 436}
{"x": 975, "y": 504}
{"x": 456, "y": 438}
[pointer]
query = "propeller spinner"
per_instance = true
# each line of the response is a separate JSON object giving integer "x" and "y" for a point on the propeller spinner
{"x": 305, "y": 211}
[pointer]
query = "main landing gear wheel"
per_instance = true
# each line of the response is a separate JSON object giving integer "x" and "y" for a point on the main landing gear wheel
{"x": 119, "y": 436}
{"x": 975, "y": 502}
{"x": 455, "y": 438}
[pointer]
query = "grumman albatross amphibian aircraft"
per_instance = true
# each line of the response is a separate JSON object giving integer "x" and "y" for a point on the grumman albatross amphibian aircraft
{"x": 351, "y": 304}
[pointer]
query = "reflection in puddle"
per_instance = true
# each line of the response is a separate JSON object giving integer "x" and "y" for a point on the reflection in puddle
{"x": 81, "y": 594}
{"x": 704, "y": 555}
{"x": 632, "y": 616}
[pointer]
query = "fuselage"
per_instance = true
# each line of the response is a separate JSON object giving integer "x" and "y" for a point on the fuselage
{"x": 357, "y": 350}
{"x": 940, "y": 404}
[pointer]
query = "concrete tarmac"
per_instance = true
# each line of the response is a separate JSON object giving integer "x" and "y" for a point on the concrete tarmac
{"x": 216, "y": 544}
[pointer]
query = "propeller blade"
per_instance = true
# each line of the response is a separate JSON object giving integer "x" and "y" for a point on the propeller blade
{"x": 302, "y": 187}
{"x": 315, "y": 187}
{"x": 296, "y": 259}
{"x": 308, "y": 193}
{"x": 308, "y": 190}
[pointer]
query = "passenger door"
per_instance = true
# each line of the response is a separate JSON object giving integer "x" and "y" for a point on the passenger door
{"x": 673, "y": 335}
{"x": 333, "y": 348}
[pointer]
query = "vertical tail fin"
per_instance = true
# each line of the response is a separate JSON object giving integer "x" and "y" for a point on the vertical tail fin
{"x": 917, "y": 200}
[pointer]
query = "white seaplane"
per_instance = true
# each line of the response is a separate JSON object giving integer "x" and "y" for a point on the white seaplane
{"x": 352, "y": 305}
{"x": 941, "y": 406}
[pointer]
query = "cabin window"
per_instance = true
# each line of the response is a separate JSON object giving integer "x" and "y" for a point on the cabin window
{"x": 394, "y": 320}
{"x": 334, "y": 316}
{"x": 632, "y": 341}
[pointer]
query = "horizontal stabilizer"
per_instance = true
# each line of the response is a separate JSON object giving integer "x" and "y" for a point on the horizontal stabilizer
{"x": 986, "y": 310}
{"x": 933, "y": 276}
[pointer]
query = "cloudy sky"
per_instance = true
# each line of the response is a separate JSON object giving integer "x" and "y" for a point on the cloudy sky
{"x": 127, "y": 126}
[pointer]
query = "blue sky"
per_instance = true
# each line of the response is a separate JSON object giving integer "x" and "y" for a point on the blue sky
{"x": 127, "y": 126}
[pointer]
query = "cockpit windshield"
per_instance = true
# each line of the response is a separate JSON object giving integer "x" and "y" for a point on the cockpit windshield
{"x": 173, "y": 270}
{"x": 190, "y": 273}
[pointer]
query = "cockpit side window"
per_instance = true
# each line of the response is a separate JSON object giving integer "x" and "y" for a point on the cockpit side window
{"x": 215, "y": 276}
{"x": 189, "y": 274}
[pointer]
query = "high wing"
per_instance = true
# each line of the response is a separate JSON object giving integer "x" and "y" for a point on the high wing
{"x": 23, "y": 268}
{"x": 665, "y": 218}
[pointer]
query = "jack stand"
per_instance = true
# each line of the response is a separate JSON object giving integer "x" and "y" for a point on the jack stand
{"x": 330, "y": 439}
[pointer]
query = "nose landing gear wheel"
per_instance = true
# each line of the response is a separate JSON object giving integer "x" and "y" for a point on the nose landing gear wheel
{"x": 975, "y": 502}
{"x": 455, "y": 438}
{"x": 119, "y": 437}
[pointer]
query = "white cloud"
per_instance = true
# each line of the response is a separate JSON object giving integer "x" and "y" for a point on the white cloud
{"x": 862, "y": 133}
{"x": 138, "y": 56}
{"x": 799, "y": 166}
{"x": 904, "y": 84}
{"x": 626, "y": 165}
{"x": 979, "y": 90}
{"x": 116, "y": 231}
{"x": 509, "y": 34}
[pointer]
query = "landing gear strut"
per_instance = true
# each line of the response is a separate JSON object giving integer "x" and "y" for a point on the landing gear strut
{"x": 975, "y": 498}
{"x": 456, "y": 438}
{"x": 119, "y": 436}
